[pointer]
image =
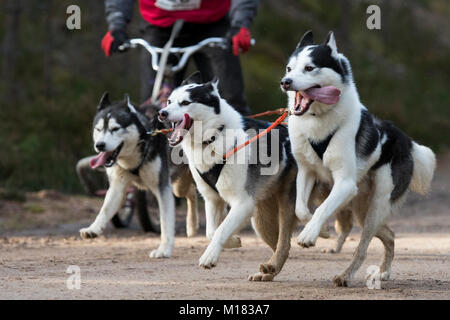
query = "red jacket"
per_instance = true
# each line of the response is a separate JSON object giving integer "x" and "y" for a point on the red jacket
{"x": 241, "y": 12}
{"x": 209, "y": 11}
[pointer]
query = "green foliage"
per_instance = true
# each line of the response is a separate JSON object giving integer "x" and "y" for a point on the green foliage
{"x": 34, "y": 208}
{"x": 402, "y": 73}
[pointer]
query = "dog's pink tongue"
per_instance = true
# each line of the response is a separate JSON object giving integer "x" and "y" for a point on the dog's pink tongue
{"x": 99, "y": 160}
{"x": 178, "y": 129}
{"x": 327, "y": 95}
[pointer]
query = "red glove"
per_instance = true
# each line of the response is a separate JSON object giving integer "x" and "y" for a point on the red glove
{"x": 112, "y": 40}
{"x": 241, "y": 41}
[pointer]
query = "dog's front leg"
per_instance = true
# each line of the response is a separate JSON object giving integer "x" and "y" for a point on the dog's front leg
{"x": 240, "y": 212}
{"x": 344, "y": 189}
{"x": 166, "y": 204}
{"x": 305, "y": 184}
{"x": 215, "y": 213}
{"x": 112, "y": 203}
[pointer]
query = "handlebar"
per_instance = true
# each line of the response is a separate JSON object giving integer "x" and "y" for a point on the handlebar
{"x": 185, "y": 52}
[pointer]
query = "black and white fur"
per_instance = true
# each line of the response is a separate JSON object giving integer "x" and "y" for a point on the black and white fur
{"x": 369, "y": 163}
{"x": 264, "y": 198}
{"x": 141, "y": 160}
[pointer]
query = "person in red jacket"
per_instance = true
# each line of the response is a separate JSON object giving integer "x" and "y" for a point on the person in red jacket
{"x": 203, "y": 19}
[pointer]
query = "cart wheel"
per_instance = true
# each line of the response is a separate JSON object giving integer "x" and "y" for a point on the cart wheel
{"x": 148, "y": 211}
{"x": 122, "y": 219}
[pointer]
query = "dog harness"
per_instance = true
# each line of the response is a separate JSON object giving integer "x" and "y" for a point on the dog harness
{"x": 321, "y": 146}
{"x": 211, "y": 176}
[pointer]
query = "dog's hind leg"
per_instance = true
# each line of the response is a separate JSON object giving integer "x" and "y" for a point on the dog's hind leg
{"x": 276, "y": 231}
{"x": 379, "y": 209}
{"x": 387, "y": 236}
{"x": 266, "y": 223}
{"x": 183, "y": 187}
{"x": 192, "y": 212}
{"x": 343, "y": 226}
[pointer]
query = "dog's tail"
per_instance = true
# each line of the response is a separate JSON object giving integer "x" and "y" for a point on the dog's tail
{"x": 424, "y": 165}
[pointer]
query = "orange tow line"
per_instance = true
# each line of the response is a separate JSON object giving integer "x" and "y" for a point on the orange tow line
{"x": 267, "y": 113}
{"x": 284, "y": 113}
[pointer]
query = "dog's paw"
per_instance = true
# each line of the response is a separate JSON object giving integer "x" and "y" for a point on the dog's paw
{"x": 303, "y": 215}
{"x": 267, "y": 268}
{"x": 261, "y": 277}
{"x": 340, "y": 281}
{"x": 329, "y": 250}
{"x": 324, "y": 232}
{"x": 308, "y": 236}
{"x": 191, "y": 231}
{"x": 266, "y": 273}
{"x": 233, "y": 242}
{"x": 89, "y": 233}
{"x": 210, "y": 257}
{"x": 385, "y": 276}
{"x": 161, "y": 252}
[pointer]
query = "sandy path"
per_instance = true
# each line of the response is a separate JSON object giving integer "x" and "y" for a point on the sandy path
{"x": 118, "y": 267}
{"x": 37, "y": 248}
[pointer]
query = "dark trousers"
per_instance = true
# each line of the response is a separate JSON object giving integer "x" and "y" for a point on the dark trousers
{"x": 209, "y": 61}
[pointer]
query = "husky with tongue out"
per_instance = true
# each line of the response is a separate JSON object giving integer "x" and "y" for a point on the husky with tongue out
{"x": 257, "y": 182}
{"x": 369, "y": 164}
{"x": 132, "y": 156}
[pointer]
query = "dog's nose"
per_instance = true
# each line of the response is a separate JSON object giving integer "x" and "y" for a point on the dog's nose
{"x": 286, "y": 83}
{"x": 100, "y": 146}
{"x": 163, "y": 114}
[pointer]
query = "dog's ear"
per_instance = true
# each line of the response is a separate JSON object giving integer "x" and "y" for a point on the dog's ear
{"x": 331, "y": 41}
{"x": 129, "y": 105}
{"x": 307, "y": 39}
{"x": 214, "y": 83}
{"x": 149, "y": 110}
{"x": 196, "y": 78}
{"x": 104, "y": 101}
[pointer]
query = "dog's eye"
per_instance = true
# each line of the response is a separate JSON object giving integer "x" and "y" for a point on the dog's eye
{"x": 288, "y": 69}
{"x": 184, "y": 103}
{"x": 97, "y": 129}
{"x": 309, "y": 68}
{"x": 168, "y": 101}
{"x": 115, "y": 129}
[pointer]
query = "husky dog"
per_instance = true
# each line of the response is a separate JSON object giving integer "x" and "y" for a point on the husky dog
{"x": 368, "y": 163}
{"x": 204, "y": 123}
{"x": 132, "y": 156}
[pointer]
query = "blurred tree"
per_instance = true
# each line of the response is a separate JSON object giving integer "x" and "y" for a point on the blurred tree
{"x": 10, "y": 44}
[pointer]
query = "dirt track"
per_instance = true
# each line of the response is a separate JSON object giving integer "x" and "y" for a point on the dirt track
{"x": 39, "y": 241}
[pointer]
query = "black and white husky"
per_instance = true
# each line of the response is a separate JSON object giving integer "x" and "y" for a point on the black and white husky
{"x": 207, "y": 127}
{"x": 132, "y": 156}
{"x": 369, "y": 163}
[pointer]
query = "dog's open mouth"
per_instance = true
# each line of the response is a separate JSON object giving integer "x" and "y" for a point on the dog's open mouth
{"x": 302, "y": 103}
{"x": 107, "y": 159}
{"x": 304, "y": 99}
{"x": 179, "y": 129}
